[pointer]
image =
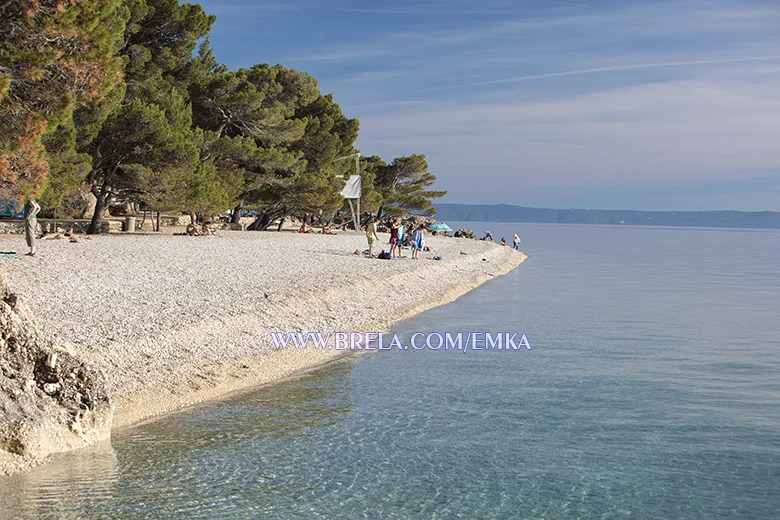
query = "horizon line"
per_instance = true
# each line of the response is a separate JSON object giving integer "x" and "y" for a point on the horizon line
{"x": 602, "y": 209}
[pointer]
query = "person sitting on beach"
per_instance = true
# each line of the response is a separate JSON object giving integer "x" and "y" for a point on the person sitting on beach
{"x": 488, "y": 236}
{"x": 208, "y": 229}
{"x": 371, "y": 236}
{"x": 418, "y": 241}
{"x": 192, "y": 230}
{"x": 503, "y": 242}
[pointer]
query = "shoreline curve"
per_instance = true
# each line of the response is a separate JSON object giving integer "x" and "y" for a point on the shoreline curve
{"x": 193, "y": 326}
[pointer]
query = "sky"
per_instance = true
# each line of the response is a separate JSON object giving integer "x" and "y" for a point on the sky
{"x": 645, "y": 104}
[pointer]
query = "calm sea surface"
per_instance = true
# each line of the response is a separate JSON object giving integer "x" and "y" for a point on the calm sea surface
{"x": 652, "y": 391}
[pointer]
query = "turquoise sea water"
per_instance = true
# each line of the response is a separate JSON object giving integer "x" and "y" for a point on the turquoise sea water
{"x": 652, "y": 392}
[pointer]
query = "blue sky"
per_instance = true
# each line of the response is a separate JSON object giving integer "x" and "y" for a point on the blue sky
{"x": 667, "y": 105}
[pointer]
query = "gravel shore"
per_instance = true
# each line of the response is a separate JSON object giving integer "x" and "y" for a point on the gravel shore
{"x": 174, "y": 320}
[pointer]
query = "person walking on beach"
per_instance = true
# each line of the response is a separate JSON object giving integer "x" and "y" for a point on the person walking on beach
{"x": 516, "y": 242}
{"x": 371, "y": 236}
{"x": 31, "y": 210}
{"x": 418, "y": 242}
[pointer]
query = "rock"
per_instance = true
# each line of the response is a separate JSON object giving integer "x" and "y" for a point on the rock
{"x": 465, "y": 233}
{"x": 41, "y": 413}
{"x": 51, "y": 388}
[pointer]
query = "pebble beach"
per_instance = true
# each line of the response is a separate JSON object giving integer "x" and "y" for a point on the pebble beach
{"x": 177, "y": 320}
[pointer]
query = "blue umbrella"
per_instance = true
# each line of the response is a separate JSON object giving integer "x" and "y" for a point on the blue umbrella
{"x": 439, "y": 226}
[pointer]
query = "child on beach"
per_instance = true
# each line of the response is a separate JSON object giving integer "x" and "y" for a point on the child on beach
{"x": 503, "y": 242}
{"x": 371, "y": 236}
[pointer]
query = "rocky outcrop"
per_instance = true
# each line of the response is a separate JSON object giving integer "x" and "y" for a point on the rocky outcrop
{"x": 465, "y": 233}
{"x": 50, "y": 400}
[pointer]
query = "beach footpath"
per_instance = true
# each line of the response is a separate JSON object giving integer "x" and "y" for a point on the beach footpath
{"x": 133, "y": 326}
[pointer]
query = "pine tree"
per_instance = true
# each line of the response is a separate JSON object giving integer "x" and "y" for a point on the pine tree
{"x": 404, "y": 186}
{"x": 54, "y": 55}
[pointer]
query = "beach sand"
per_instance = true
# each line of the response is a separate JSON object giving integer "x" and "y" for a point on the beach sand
{"x": 176, "y": 320}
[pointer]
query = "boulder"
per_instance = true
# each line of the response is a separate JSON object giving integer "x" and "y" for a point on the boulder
{"x": 465, "y": 233}
{"x": 50, "y": 399}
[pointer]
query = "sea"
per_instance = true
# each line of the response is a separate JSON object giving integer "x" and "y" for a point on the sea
{"x": 651, "y": 391}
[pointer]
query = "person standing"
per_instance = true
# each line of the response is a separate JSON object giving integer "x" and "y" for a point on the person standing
{"x": 516, "y": 242}
{"x": 31, "y": 210}
{"x": 401, "y": 238}
{"x": 418, "y": 242}
{"x": 394, "y": 237}
{"x": 371, "y": 236}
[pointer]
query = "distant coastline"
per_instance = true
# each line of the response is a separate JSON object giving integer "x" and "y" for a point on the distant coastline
{"x": 510, "y": 213}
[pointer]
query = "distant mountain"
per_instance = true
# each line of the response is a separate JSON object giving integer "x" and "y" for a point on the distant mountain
{"x": 509, "y": 213}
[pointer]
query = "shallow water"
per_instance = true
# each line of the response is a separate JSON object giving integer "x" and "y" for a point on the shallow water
{"x": 652, "y": 391}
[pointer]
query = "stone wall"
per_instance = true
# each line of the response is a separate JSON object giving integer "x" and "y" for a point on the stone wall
{"x": 16, "y": 226}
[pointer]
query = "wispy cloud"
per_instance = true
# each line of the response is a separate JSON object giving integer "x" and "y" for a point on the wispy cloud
{"x": 648, "y": 135}
{"x": 510, "y": 96}
{"x": 597, "y": 70}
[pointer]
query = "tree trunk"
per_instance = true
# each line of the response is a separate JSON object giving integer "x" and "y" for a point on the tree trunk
{"x": 281, "y": 223}
{"x": 379, "y": 211}
{"x": 234, "y": 218}
{"x": 158, "y": 221}
{"x": 101, "y": 204}
{"x": 193, "y": 218}
{"x": 267, "y": 216}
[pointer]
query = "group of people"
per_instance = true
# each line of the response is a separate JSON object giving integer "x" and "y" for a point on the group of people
{"x": 515, "y": 240}
{"x": 400, "y": 237}
{"x": 206, "y": 230}
{"x": 327, "y": 229}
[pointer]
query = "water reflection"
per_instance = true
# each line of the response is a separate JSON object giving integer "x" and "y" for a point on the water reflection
{"x": 71, "y": 484}
{"x": 197, "y": 459}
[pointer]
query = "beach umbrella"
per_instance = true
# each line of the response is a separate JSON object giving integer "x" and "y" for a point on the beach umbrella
{"x": 439, "y": 226}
